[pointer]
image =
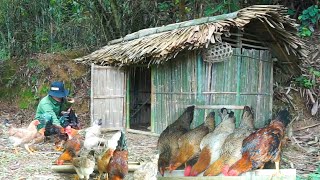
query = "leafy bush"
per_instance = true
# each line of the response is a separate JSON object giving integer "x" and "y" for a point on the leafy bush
{"x": 306, "y": 81}
{"x": 309, "y": 18}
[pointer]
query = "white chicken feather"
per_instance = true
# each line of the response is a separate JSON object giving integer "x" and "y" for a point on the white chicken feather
{"x": 113, "y": 141}
{"x": 92, "y": 135}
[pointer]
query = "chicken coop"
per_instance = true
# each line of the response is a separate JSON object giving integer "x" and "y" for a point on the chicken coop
{"x": 149, "y": 77}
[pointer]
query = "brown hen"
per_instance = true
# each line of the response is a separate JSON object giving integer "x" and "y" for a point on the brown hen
{"x": 189, "y": 143}
{"x": 23, "y": 136}
{"x": 261, "y": 146}
{"x": 168, "y": 140}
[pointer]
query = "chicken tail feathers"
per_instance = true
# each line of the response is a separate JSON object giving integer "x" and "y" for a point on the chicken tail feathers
{"x": 284, "y": 117}
{"x": 215, "y": 168}
{"x": 122, "y": 143}
{"x": 202, "y": 163}
{"x": 242, "y": 165}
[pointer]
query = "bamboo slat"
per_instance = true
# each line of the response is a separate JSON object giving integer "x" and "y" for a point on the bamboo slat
{"x": 263, "y": 174}
{"x": 68, "y": 168}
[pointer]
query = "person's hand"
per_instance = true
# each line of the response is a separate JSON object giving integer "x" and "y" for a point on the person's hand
{"x": 70, "y": 100}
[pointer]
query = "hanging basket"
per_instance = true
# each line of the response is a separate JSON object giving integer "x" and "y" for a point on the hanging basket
{"x": 217, "y": 52}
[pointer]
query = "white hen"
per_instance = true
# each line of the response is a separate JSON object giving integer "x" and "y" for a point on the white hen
{"x": 113, "y": 141}
{"x": 92, "y": 137}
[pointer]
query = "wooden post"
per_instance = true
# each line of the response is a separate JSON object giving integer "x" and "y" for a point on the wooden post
{"x": 199, "y": 95}
{"x": 127, "y": 110}
{"x": 239, "y": 59}
{"x": 91, "y": 94}
{"x": 152, "y": 100}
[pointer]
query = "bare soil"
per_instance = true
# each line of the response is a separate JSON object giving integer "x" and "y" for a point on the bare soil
{"x": 301, "y": 151}
{"x": 142, "y": 148}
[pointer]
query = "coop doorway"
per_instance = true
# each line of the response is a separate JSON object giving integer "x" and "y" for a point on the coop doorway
{"x": 140, "y": 98}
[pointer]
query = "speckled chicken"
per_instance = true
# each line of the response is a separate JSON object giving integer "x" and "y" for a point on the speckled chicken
{"x": 148, "y": 170}
{"x": 211, "y": 144}
{"x": 231, "y": 148}
{"x": 84, "y": 165}
{"x": 168, "y": 140}
{"x": 189, "y": 143}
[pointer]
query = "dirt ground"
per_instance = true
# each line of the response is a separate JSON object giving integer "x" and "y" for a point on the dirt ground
{"x": 142, "y": 148}
{"x": 301, "y": 151}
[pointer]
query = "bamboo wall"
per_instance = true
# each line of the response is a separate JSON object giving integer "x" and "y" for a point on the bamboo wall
{"x": 108, "y": 96}
{"x": 244, "y": 79}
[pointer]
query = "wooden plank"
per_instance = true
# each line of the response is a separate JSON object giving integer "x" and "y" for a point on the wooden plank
{"x": 220, "y": 92}
{"x": 243, "y": 39}
{"x": 142, "y": 132}
{"x": 105, "y": 67}
{"x": 234, "y": 107}
{"x": 91, "y": 94}
{"x": 108, "y": 97}
{"x": 68, "y": 168}
{"x": 152, "y": 94}
{"x": 271, "y": 86}
{"x": 260, "y": 81}
{"x": 261, "y": 174}
{"x": 239, "y": 84}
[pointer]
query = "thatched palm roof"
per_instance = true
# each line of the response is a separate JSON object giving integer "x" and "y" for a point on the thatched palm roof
{"x": 269, "y": 23}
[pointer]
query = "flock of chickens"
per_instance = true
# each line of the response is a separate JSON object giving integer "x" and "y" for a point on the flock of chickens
{"x": 208, "y": 149}
{"x": 223, "y": 149}
{"x": 83, "y": 148}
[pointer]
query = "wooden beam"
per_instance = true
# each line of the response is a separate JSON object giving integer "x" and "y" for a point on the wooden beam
{"x": 142, "y": 132}
{"x": 261, "y": 174}
{"x": 91, "y": 94}
{"x": 109, "y": 97}
{"x": 105, "y": 130}
{"x": 220, "y": 106}
{"x": 68, "y": 168}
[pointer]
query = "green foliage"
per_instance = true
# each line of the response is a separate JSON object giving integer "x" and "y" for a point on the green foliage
{"x": 27, "y": 98}
{"x": 291, "y": 12}
{"x": 308, "y": 19}
{"x": 315, "y": 72}
{"x": 305, "y": 32}
{"x": 44, "y": 90}
{"x": 221, "y": 8}
{"x": 305, "y": 82}
{"x": 4, "y": 54}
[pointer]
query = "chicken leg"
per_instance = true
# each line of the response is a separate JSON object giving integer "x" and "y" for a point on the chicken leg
{"x": 277, "y": 173}
{"x": 26, "y": 146}
{"x": 15, "y": 150}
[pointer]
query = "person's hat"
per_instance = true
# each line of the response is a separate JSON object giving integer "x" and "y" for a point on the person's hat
{"x": 57, "y": 90}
